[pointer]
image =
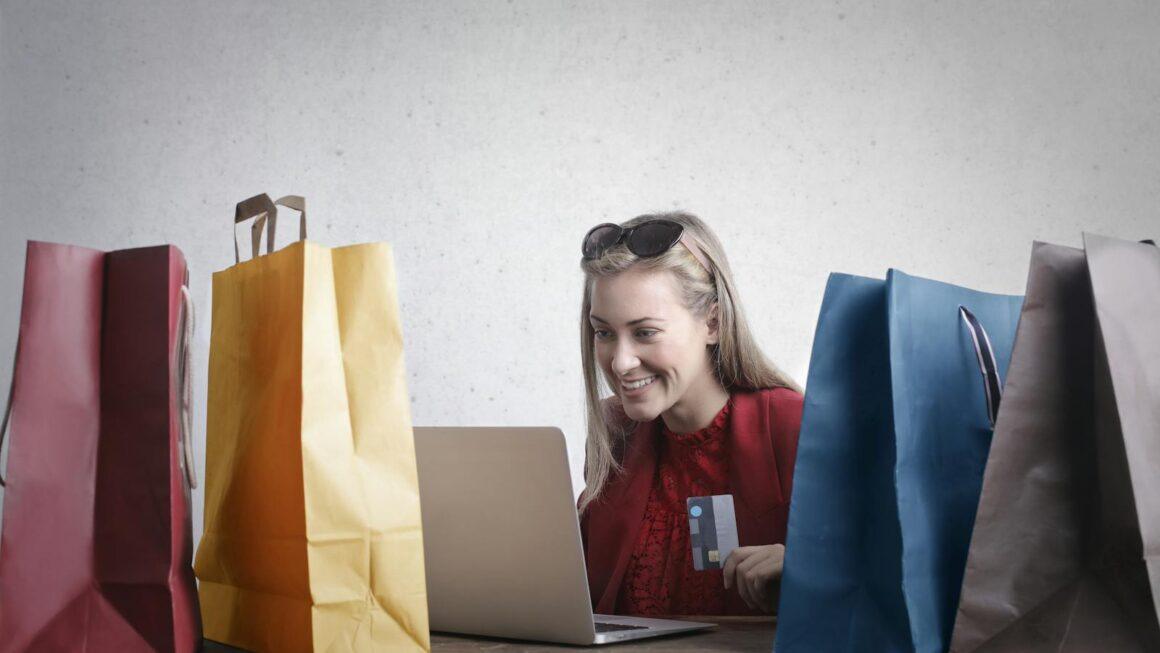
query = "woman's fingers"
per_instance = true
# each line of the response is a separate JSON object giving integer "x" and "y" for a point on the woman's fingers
{"x": 753, "y": 570}
{"x": 760, "y": 577}
{"x": 778, "y": 559}
{"x": 736, "y": 557}
{"x": 745, "y": 591}
{"x": 745, "y": 578}
{"x": 749, "y": 575}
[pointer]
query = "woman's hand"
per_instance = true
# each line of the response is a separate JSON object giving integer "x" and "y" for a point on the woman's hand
{"x": 756, "y": 571}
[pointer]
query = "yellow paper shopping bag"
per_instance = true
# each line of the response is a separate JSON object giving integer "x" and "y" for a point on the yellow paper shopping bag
{"x": 313, "y": 536}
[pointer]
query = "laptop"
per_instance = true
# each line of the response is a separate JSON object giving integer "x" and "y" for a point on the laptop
{"x": 502, "y": 540}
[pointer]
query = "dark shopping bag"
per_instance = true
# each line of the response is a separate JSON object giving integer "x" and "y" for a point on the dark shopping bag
{"x": 96, "y": 544}
{"x": 903, "y": 384}
{"x": 1065, "y": 554}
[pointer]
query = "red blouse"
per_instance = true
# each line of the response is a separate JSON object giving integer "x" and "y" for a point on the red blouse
{"x": 753, "y": 461}
{"x": 660, "y": 579}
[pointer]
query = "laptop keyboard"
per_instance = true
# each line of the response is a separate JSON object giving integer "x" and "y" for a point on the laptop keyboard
{"x": 612, "y": 628}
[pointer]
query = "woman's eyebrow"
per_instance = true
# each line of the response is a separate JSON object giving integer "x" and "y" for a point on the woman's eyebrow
{"x": 634, "y": 322}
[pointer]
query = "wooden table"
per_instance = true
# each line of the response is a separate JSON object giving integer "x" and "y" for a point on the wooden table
{"x": 731, "y": 634}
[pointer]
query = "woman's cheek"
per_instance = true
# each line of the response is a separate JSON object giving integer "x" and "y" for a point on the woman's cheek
{"x": 601, "y": 354}
{"x": 604, "y": 363}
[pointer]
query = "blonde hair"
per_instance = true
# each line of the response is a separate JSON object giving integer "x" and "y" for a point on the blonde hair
{"x": 737, "y": 360}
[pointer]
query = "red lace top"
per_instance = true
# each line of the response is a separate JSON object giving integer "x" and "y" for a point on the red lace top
{"x": 660, "y": 579}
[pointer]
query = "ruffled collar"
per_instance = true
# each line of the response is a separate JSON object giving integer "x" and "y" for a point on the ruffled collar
{"x": 713, "y": 432}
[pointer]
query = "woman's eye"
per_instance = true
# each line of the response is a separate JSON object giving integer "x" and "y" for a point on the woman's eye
{"x": 601, "y": 334}
{"x": 646, "y": 333}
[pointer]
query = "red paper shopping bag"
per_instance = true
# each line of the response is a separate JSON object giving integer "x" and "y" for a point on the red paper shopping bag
{"x": 96, "y": 544}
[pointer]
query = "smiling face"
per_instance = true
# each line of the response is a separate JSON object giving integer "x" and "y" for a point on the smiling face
{"x": 653, "y": 351}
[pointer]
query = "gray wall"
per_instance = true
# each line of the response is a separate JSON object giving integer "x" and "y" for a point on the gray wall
{"x": 483, "y": 138}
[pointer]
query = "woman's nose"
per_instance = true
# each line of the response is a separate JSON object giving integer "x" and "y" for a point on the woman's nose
{"x": 624, "y": 359}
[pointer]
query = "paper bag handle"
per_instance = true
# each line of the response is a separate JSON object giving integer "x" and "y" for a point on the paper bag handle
{"x": 8, "y": 407}
{"x": 985, "y": 355}
{"x": 265, "y": 214}
{"x": 294, "y": 203}
{"x": 261, "y": 208}
{"x": 185, "y": 387}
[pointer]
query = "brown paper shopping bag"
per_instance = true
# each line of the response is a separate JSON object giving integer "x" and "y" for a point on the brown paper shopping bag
{"x": 312, "y": 528}
{"x": 1065, "y": 555}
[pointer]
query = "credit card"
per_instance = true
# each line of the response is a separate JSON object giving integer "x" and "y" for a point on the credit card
{"x": 712, "y": 530}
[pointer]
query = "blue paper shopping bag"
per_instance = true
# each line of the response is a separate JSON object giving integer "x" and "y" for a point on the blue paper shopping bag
{"x": 903, "y": 387}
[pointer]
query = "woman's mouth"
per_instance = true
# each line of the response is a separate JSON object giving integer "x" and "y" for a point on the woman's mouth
{"x": 637, "y": 387}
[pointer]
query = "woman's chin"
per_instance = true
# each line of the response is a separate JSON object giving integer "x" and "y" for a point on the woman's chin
{"x": 641, "y": 412}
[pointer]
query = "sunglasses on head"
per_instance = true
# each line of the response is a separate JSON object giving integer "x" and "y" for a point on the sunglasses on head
{"x": 647, "y": 239}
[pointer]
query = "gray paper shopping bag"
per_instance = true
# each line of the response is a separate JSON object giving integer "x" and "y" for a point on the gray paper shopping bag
{"x": 1069, "y": 508}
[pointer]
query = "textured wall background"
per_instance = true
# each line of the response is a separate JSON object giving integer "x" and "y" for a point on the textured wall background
{"x": 482, "y": 139}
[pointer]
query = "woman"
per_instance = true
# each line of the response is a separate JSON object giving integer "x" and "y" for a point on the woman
{"x": 697, "y": 410}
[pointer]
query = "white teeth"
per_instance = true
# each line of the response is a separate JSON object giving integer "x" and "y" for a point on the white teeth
{"x": 639, "y": 384}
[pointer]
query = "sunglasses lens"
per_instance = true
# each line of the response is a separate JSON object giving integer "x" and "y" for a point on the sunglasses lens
{"x": 600, "y": 239}
{"x": 654, "y": 238}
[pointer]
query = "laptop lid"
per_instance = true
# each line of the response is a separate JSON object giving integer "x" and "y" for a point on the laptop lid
{"x": 500, "y": 534}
